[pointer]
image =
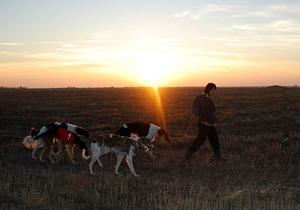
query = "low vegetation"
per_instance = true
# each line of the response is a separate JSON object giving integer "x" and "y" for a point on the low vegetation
{"x": 258, "y": 174}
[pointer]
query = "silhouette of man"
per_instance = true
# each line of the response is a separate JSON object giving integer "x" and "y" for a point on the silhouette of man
{"x": 204, "y": 108}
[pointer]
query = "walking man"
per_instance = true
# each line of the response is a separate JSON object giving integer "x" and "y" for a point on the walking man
{"x": 204, "y": 108}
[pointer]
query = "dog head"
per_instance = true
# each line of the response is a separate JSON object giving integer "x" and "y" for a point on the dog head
{"x": 123, "y": 130}
{"x": 31, "y": 143}
{"x": 33, "y": 132}
{"x": 163, "y": 133}
{"x": 147, "y": 145}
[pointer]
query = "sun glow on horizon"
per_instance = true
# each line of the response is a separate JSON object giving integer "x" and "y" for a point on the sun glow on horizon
{"x": 154, "y": 68}
{"x": 153, "y": 61}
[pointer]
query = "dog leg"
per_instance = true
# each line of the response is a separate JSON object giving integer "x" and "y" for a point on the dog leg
{"x": 99, "y": 162}
{"x": 60, "y": 149}
{"x": 130, "y": 162}
{"x": 119, "y": 160}
{"x": 73, "y": 150}
{"x": 96, "y": 153}
{"x": 70, "y": 154}
{"x": 50, "y": 154}
{"x": 41, "y": 154}
{"x": 33, "y": 153}
{"x": 93, "y": 160}
{"x": 130, "y": 165}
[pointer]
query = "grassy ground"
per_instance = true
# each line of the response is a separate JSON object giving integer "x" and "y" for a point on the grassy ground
{"x": 257, "y": 175}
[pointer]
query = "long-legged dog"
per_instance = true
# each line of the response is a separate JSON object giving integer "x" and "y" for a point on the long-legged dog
{"x": 120, "y": 146}
{"x": 60, "y": 133}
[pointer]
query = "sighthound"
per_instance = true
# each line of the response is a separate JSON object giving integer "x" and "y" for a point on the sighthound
{"x": 62, "y": 134}
{"x": 120, "y": 146}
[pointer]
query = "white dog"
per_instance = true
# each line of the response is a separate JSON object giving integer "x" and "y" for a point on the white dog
{"x": 120, "y": 146}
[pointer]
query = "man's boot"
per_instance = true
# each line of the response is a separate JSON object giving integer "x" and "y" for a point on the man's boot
{"x": 218, "y": 156}
{"x": 188, "y": 155}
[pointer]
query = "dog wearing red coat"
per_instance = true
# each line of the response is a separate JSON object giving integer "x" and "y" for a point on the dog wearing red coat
{"x": 62, "y": 134}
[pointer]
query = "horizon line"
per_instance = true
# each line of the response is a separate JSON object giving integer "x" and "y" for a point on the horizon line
{"x": 120, "y": 87}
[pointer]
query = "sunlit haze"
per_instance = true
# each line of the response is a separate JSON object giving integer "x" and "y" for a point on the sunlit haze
{"x": 61, "y": 43}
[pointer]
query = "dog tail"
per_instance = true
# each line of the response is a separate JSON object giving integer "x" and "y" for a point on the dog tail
{"x": 163, "y": 132}
{"x": 33, "y": 132}
{"x": 85, "y": 154}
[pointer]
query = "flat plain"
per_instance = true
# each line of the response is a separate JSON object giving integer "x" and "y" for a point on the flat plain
{"x": 259, "y": 173}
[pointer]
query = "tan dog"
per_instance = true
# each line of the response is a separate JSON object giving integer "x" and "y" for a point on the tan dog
{"x": 34, "y": 144}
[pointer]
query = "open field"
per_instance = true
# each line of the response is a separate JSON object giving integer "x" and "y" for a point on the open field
{"x": 257, "y": 174}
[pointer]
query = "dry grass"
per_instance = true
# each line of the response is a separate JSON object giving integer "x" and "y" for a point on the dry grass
{"x": 257, "y": 175}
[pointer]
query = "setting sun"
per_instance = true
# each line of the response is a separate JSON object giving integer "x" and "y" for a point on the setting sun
{"x": 155, "y": 69}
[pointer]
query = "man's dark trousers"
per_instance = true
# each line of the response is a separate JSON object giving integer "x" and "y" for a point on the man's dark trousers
{"x": 205, "y": 131}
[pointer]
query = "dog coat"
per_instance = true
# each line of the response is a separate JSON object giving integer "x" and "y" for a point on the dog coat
{"x": 153, "y": 132}
{"x": 74, "y": 129}
{"x": 66, "y": 136}
{"x": 142, "y": 129}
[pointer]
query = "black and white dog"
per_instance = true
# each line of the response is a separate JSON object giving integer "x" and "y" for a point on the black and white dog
{"x": 122, "y": 147}
{"x": 142, "y": 129}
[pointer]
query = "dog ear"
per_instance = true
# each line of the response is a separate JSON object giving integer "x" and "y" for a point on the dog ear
{"x": 33, "y": 131}
{"x": 163, "y": 132}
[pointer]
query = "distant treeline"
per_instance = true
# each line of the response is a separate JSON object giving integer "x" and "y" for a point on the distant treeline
{"x": 20, "y": 87}
{"x": 71, "y": 87}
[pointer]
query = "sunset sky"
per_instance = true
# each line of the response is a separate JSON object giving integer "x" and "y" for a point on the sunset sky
{"x": 97, "y": 43}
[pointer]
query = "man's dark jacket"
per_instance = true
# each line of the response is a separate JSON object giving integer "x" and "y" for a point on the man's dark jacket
{"x": 206, "y": 109}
